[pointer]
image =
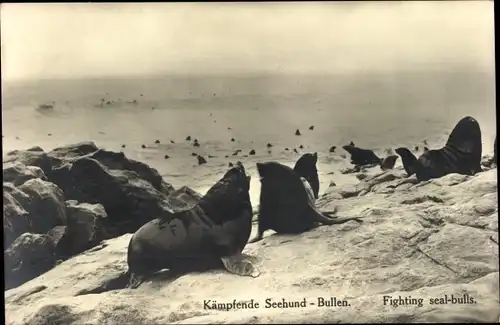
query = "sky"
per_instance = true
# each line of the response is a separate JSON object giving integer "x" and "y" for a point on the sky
{"x": 73, "y": 40}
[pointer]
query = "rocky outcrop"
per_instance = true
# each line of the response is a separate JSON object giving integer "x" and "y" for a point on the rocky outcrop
{"x": 435, "y": 242}
{"x": 107, "y": 195}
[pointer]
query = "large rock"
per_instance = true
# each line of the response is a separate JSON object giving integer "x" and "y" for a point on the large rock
{"x": 45, "y": 206}
{"x": 17, "y": 173}
{"x": 441, "y": 243}
{"x": 131, "y": 192}
{"x": 29, "y": 256}
{"x": 84, "y": 228}
{"x": 15, "y": 219}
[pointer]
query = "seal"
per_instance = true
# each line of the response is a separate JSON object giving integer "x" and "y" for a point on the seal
{"x": 306, "y": 167}
{"x": 388, "y": 162}
{"x": 461, "y": 154}
{"x": 362, "y": 157}
{"x": 284, "y": 203}
{"x": 207, "y": 235}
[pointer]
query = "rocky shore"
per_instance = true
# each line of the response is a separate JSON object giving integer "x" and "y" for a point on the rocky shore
{"x": 69, "y": 214}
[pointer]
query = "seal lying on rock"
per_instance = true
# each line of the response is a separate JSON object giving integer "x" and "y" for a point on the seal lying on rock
{"x": 461, "y": 154}
{"x": 213, "y": 231}
{"x": 284, "y": 203}
{"x": 306, "y": 167}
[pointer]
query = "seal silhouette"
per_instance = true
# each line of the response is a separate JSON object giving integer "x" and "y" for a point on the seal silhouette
{"x": 306, "y": 167}
{"x": 210, "y": 234}
{"x": 284, "y": 203}
{"x": 461, "y": 154}
{"x": 362, "y": 157}
{"x": 388, "y": 162}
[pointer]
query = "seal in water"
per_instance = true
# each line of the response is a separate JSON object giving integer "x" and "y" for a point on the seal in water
{"x": 284, "y": 203}
{"x": 362, "y": 157}
{"x": 210, "y": 234}
{"x": 461, "y": 154}
{"x": 306, "y": 167}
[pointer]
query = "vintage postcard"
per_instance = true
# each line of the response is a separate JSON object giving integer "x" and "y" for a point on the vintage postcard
{"x": 268, "y": 162}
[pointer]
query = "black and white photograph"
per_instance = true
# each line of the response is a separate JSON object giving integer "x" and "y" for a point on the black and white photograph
{"x": 249, "y": 162}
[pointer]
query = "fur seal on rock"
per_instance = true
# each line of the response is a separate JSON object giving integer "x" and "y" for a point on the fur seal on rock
{"x": 362, "y": 157}
{"x": 388, "y": 162}
{"x": 210, "y": 234}
{"x": 461, "y": 154}
{"x": 284, "y": 203}
{"x": 306, "y": 167}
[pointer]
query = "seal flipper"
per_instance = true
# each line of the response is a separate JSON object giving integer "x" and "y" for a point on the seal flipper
{"x": 240, "y": 265}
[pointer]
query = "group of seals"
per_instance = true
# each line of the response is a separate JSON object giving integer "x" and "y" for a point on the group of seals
{"x": 211, "y": 233}
{"x": 461, "y": 154}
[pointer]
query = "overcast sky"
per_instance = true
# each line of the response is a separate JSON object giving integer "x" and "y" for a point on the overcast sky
{"x": 77, "y": 40}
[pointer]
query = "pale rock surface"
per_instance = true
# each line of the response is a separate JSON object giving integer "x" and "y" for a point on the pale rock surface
{"x": 425, "y": 241}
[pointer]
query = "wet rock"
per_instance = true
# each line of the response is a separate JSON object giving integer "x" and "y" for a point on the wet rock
{"x": 29, "y": 256}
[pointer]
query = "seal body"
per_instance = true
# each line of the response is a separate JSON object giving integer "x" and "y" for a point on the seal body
{"x": 285, "y": 206}
{"x": 219, "y": 225}
{"x": 388, "y": 162}
{"x": 461, "y": 154}
{"x": 306, "y": 167}
{"x": 362, "y": 157}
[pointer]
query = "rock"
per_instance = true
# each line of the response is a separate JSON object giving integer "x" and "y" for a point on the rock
{"x": 84, "y": 227}
{"x": 59, "y": 237}
{"x": 45, "y": 206}
{"x": 29, "y": 256}
{"x": 17, "y": 173}
{"x": 15, "y": 219}
{"x": 32, "y": 158}
{"x": 183, "y": 198}
{"x": 129, "y": 199}
{"x": 418, "y": 250}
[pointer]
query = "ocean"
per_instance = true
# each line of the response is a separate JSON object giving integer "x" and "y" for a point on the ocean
{"x": 376, "y": 111}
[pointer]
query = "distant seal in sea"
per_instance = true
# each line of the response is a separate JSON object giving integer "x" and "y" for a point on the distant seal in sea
{"x": 306, "y": 167}
{"x": 201, "y": 160}
{"x": 332, "y": 149}
{"x": 461, "y": 154}
{"x": 297, "y": 132}
{"x": 351, "y": 144}
{"x": 188, "y": 138}
{"x": 362, "y": 157}
{"x": 210, "y": 234}
{"x": 284, "y": 203}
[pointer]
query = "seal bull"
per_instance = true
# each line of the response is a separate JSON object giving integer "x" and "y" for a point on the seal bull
{"x": 461, "y": 154}
{"x": 285, "y": 206}
{"x": 210, "y": 234}
{"x": 306, "y": 167}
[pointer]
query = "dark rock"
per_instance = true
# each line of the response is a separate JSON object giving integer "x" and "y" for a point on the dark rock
{"x": 127, "y": 194}
{"x": 33, "y": 158}
{"x": 201, "y": 160}
{"x": 29, "y": 256}
{"x": 84, "y": 226}
{"x": 311, "y": 127}
{"x": 157, "y": 142}
{"x": 332, "y": 149}
{"x": 252, "y": 152}
{"x": 46, "y": 205}
{"x": 183, "y": 198}
{"x": 297, "y": 132}
{"x": 15, "y": 219}
{"x": 59, "y": 236}
{"x": 74, "y": 150}
{"x": 35, "y": 148}
{"x": 18, "y": 173}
